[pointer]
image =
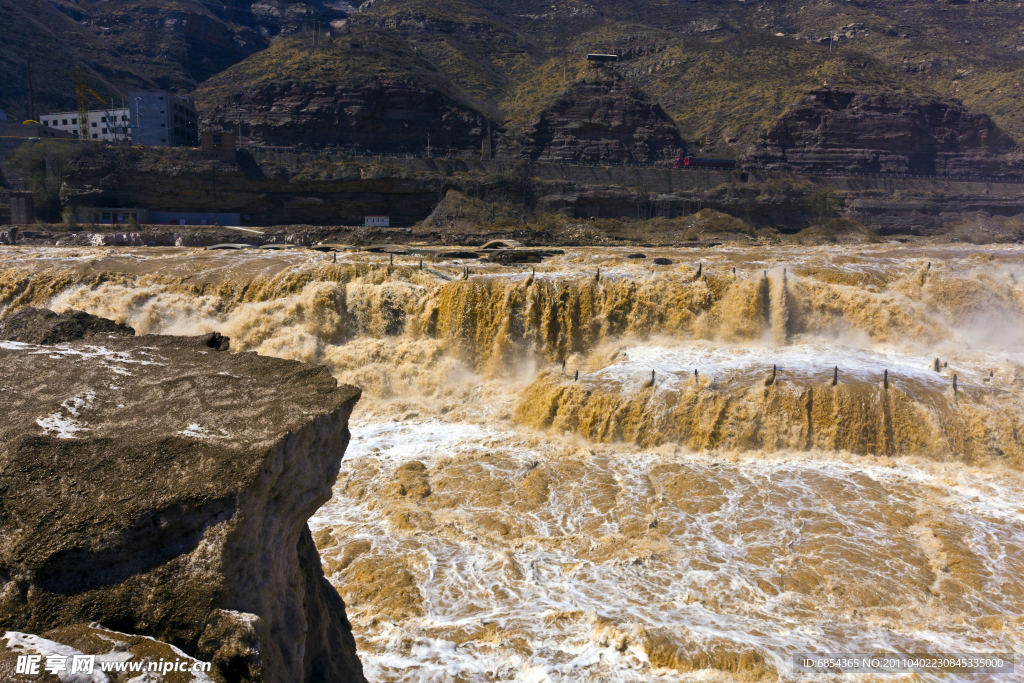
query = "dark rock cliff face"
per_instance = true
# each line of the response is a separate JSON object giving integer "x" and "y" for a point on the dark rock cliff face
{"x": 383, "y": 116}
{"x": 604, "y": 120}
{"x": 40, "y": 326}
{"x": 160, "y": 486}
{"x": 842, "y": 131}
{"x": 325, "y": 192}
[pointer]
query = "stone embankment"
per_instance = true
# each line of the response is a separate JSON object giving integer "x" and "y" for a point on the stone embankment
{"x": 159, "y": 486}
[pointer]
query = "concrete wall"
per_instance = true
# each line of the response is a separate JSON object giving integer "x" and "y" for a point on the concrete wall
{"x": 194, "y": 218}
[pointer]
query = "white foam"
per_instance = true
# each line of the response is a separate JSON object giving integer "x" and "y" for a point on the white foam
{"x": 669, "y": 589}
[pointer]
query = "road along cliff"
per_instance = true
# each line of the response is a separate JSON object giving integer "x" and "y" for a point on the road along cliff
{"x": 160, "y": 486}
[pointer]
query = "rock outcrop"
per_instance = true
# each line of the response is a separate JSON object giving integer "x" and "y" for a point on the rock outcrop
{"x": 160, "y": 486}
{"x": 841, "y": 131}
{"x": 384, "y": 116}
{"x": 605, "y": 120}
{"x": 31, "y": 325}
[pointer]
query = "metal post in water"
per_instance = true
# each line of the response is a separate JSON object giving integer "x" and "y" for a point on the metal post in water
{"x": 598, "y": 274}
{"x": 392, "y": 259}
{"x": 835, "y": 376}
{"x": 775, "y": 369}
{"x": 695, "y": 374}
{"x": 929, "y": 266}
{"x": 937, "y": 367}
{"x": 700, "y": 269}
{"x": 954, "y": 384}
{"x": 577, "y": 377}
{"x": 652, "y": 378}
{"x": 335, "y": 257}
{"x": 885, "y": 379}
{"x": 421, "y": 264}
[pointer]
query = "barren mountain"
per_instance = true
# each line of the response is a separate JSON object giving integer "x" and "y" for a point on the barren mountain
{"x": 723, "y": 71}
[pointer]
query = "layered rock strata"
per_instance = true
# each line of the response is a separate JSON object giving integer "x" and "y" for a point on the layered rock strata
{"x": 160, "y": 486}
{"x": 384, "y": 116}
{"x": 841, "y": 131}
{"x": 604, "y": 119}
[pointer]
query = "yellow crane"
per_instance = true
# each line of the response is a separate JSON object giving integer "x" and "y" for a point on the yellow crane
{"x": 83, "y": 91}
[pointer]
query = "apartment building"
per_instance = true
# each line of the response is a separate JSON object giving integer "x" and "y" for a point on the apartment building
{"x": 107, "y": 125}
{"x": 162, "y": 119}
{"x": 153, "y": 117}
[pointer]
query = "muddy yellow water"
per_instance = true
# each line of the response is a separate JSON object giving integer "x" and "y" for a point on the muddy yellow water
{"x": 598, "y": 468}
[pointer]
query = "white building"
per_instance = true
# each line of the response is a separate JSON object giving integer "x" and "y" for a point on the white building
{"x": 106, "y": 125}
{"x": 152, "y": 117}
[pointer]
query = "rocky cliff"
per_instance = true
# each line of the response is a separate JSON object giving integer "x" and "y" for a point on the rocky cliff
{"x": 365, "y": 90}
{"x": 605, "y": 120}
{"x": 328, "y": 190}
{"x": 839, "y": 131}
{"x": 160, "y": 486}
{"x": 388, "y": 115}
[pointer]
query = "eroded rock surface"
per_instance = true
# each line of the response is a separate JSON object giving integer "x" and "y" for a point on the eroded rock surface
{"x": 32, "y": 325}
{"x": 389, "y": 115}
{"x": 840, "y": 131}
{"x": 160, "y": 486}
{"x": 604, "y": 119}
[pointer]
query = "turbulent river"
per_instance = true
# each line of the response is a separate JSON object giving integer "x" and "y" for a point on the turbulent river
{"x": 609, "y": 470}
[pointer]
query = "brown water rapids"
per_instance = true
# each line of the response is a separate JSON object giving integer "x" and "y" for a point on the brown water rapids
{"x": 607, "y": 469}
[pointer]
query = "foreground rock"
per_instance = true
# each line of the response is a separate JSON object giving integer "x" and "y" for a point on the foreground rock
{"x": 41, "y": 326}
{"x": 160, "y": 486}
{"x": 840, "y": 131}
